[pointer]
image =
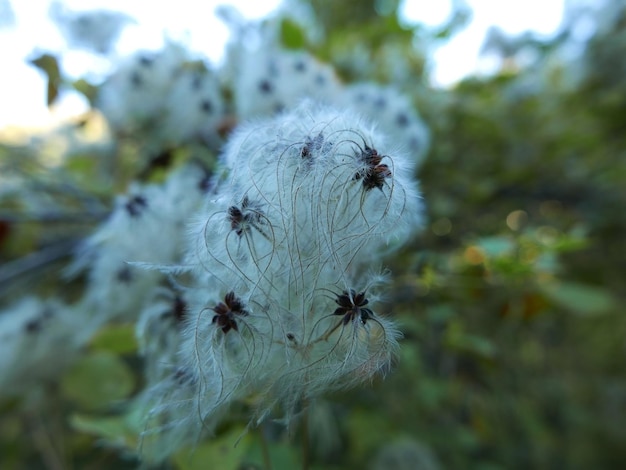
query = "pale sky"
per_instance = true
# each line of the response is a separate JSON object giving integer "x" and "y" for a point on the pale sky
{"x": 460, "y": 57}
{"x": 22, "y": 88}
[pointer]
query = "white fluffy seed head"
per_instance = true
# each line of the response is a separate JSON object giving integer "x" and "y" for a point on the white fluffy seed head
{"x": 158, "y": 333}
{"x": 281, "y": 296}
{"x": 314, "y": 169}
{"x": 38, "y": 339}
{"x": 132, "y": 97}
{"x": 272, "y": 80}
{"x": 147, "y": 225}
{"x": 395, "y": 115}
{"x": 193, "y": 107}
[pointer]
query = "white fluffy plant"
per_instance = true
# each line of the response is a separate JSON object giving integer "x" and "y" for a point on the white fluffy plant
{"x": 272, "y": 79}
{"x": 166, "y": 98}
{"x": 285, "y": 266}
{"x": 37, "y": 341}
{"x": 146, "y": 227}
{"x": 394, "y": 113}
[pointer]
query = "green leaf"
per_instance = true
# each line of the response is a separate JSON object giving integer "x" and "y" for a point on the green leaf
{"x": 476, "y": 346}
{"x": 85, "y": 88}
{"x": 378, "y": 426}
{"x": 281, "y": 455}
{"x": 118, "y": 339}
{"x": 97, "y": 380}
{"x": 49, "y": 64}
{"x": 440, "y": 313}
{"x": 114, "y": 431}
{"x": 580, "y": 298}
{"x": 228, "y": 450}
{"x": 291, "y": 35}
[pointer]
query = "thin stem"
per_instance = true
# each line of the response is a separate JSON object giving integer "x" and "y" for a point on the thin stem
{"x": 43, "y": 443}
{"x": 327, "y": 335}
{"x": 36, "y": 261}
{"x": 265, "y": 451}
{"x": 305, "y": 436}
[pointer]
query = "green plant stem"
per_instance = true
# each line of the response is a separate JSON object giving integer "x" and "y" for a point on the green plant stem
{"x": 305, "y": 437}
{"x": 265, "y": 451}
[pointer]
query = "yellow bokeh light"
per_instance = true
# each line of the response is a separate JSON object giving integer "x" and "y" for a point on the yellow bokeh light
{"x": 474, "y": 255}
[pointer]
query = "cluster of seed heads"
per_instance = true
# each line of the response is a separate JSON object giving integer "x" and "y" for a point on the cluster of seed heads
{"x": 283, "y": 270}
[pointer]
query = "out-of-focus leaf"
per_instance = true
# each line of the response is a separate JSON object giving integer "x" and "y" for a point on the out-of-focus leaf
{"x": 431, "y": 393}
{"x": 580, "y": 298}
{"x": 281, "y": 455}
{"x": 113, "y": 431}
{"x": 85, "y": 88}
{"x": 460, "y": 18}
{"x": 291, "y": 35}
{"x": 226, "y": 452}
{"x": 474, "y": 345}
{"x": 118, "y": 339}
{"x": 457, "y": 339}
{"x": 97, "y": 380}
{"x": 49, "y": 64}
{"x": 440, "y": 313}
{"x": 367, "y": 430}
{"x": 575, "y": 240}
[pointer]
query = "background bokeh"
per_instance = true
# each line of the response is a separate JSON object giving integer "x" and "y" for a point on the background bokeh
{"x": 510, "y": 299}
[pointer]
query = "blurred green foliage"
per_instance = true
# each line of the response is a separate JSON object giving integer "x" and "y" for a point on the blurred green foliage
{"x": 513, "y": 355}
